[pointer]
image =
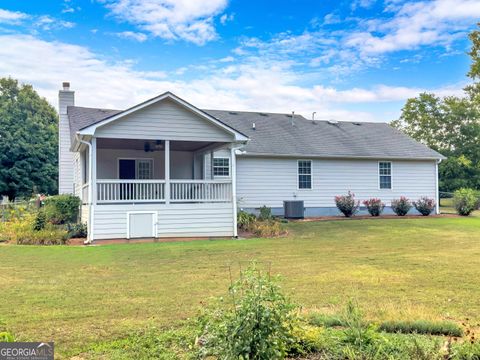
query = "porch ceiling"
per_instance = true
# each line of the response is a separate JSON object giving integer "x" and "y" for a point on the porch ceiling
{"x": 135, "y": 144}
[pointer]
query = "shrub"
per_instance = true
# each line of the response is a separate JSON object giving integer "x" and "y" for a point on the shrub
{"x": 374, "y": 206}
{"x": 307, "y": 339}
{"x": 465, "y": 201}
{"x": 347, "y": 204}
{"x": 245, "y": 220}
{"x": 401, "y": 206}
{"x": 425, "y": 205}
{"x": 40, "y": 220}
{"x": 260, "y": 324}
{"x": 77, "y": 230}
{"x": 21, "y": 231}
{"x": 265, "y": 213}
{"x": 270, "y": 228}
{"x": 61, "y": 209}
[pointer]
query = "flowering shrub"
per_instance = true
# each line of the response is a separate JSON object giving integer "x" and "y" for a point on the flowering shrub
{"x": 374, "y": 206}
{"x": 347, "y": 204}
{"x": 401, "y": 206}
{"x": 425, "y": 205}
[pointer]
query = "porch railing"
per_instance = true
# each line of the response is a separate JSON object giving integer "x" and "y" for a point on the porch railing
{"x": 200, "y": 190}
{"x": 115, "y": 191}
{"x": 112, "y": 191}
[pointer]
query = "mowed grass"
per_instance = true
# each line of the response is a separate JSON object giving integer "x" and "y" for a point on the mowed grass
{"x": 399, "y": 269}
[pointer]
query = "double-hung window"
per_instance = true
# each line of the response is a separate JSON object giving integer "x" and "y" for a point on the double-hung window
{"x": 385, "y": 174}
{"x": 221, "y": 167}
{"x": 304, "y": 174}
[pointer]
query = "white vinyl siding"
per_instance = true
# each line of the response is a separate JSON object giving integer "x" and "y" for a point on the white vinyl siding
{"x": 164, "y": 120}
{"x": 174, "y": 220}
{"x": 269, "y": 181}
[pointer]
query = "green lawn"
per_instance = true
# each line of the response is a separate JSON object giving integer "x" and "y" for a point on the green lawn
{"x": 425, "y": 268}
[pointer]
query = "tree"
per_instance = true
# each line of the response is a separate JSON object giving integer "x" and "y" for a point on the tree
{"x": 451, "y": 126}
{"x": 28, "y": 141}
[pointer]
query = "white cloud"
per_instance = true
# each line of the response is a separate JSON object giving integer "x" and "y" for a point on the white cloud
{"x": 12, "y": 17}
{"x": 415, "y": 24}
{"x": 46, "y": 22}
{"x": 137, "y": 36}
{"x": 251, "y": 85}
{"x": 187, "y": 20}
{"x": 226, "y": 18}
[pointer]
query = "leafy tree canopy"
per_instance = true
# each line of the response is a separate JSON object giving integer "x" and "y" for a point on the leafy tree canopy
{"x": 450, "y": 125}
{"x": 28, "y": 141}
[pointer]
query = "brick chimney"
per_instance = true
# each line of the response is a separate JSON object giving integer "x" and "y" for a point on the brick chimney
{"x": 66, "y": 98}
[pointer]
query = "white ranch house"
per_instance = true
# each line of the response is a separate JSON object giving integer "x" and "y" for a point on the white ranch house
{"x": 165, "y": 168}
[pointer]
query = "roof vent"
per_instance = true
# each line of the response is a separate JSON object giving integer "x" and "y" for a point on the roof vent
{"x": 293, "y": 118}
{"x": 253, "y": 126}
{"x": 262, "y": 114}
{"x": 357, "y": 123}
{"x": 233, "y": 113}
{"x": 313, "y": 117}
{"x": 332, "y": 122}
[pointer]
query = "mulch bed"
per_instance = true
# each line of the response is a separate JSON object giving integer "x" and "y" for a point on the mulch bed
{"x": 368, "y": 217}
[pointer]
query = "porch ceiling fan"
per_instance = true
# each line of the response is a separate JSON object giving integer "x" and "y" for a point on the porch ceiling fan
{"x": 151, "y": 146}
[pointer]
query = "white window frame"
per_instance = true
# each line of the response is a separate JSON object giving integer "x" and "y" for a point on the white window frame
{"x": 391, "y": 175}
{"x": 136, "y": 166}
{"x": 229, "y": 166}
{"x": 311, "y": 175}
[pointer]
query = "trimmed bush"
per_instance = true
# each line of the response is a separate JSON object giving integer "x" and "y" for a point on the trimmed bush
{"x": 347, "y": 204}
{"x": 401, "y": 206}
{"x": 374, "y": 206}
{"x": 425, "y": 205}
{"x": 465, "y": 201}
{"x": 61, "y": 209}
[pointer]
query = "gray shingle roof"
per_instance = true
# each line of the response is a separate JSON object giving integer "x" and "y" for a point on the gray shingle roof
{"x": 274, "y": 134}
{"x": 81, "y": 117}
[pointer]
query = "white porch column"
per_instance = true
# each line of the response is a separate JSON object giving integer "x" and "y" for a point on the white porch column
{"x": 93, "y": 183}
{"x": 234, "y": 190}
{"x": 437, "y": 193}
{"x": 211, "y": 165}
{"x": 167, "y": 171}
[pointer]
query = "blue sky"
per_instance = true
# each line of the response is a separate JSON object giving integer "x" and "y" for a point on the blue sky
{"x": 347, "y": 60}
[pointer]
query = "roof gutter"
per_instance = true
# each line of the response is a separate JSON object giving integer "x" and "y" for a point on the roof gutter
{"x": 250, "y": 154}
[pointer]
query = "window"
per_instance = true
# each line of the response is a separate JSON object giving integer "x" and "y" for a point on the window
{"x": 144, "y": 169}
{"x": 385, "y": 174}
{"x": 221, "y": 167}
{"x": 304, "y": 174}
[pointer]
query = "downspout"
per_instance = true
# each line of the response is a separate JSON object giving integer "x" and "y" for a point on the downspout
{"x": 90, "y": 190}
{"x": 234, "y": 187}
{"x": 437, "y": 210}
